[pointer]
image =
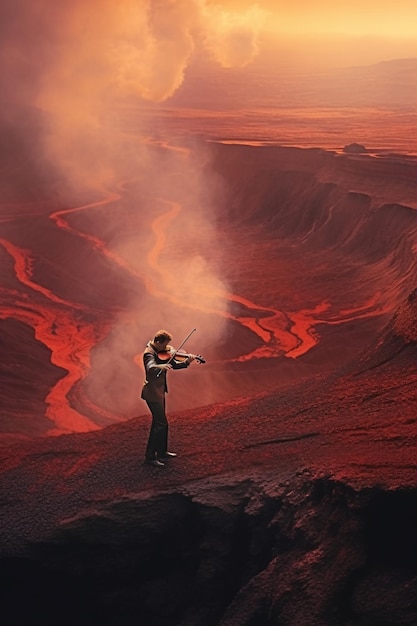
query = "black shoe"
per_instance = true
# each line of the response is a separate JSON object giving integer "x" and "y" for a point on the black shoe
{"x": 168, "y": 455}
{"x": 154, "y": 462}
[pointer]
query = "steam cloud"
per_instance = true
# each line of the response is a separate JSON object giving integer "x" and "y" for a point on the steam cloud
{"x": 74, "y": 62}
{"x": 232, "y": 38}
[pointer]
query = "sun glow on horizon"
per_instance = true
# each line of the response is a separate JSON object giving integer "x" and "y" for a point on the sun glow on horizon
{"x": 385, "y": 18}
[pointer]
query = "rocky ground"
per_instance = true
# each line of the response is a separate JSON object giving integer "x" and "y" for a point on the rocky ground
{"x": 294, "y": 508}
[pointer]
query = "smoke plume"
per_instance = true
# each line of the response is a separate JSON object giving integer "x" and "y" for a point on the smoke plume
{"x": 70, "y": 72}
{"x": 74, "y": 61}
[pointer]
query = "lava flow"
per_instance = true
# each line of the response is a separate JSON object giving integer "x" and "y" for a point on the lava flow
{"x": 95, "y": 279}
{"x": 62, "y": 326}
{"x": 282, "y": 333}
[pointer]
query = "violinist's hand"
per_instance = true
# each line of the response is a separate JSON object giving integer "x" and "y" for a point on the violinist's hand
{"x": 165, "y": 366}
{"x": 191, "y": 357}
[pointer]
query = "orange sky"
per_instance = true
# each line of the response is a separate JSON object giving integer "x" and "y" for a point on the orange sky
{"x": 391, "y": 18}
{"x": 335, "y": 33}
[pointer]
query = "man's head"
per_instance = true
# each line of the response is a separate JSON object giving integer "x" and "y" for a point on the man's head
{"x": 161, "y": 339}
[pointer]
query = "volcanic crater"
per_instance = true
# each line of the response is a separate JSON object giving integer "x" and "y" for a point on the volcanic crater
{"x": 293, "y": 499}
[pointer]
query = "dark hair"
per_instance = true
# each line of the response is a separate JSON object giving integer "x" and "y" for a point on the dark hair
{"x": 161, "y": 336}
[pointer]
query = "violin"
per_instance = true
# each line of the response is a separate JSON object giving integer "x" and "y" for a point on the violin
{"x": 179, "y": 356}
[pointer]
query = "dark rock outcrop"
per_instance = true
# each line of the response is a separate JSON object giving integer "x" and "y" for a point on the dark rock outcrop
{"x": 235, "y": 552}
{"x": 355, "y": 148}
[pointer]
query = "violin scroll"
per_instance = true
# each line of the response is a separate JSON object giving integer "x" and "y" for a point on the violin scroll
{"x": 199, "y": 358}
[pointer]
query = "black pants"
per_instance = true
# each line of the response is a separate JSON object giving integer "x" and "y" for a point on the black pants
{"x": 158, "y": 437}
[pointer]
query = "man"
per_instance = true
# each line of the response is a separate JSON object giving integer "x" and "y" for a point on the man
{"x": 153, "y": 392}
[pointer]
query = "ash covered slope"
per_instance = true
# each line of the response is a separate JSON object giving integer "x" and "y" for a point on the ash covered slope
{"x": 399, "y": 336}
{"x": 298, "y": 508}
{"x": 301, "y": 185}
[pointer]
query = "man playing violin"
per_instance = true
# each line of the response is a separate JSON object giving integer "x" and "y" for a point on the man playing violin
{"x": 157, "y": 360}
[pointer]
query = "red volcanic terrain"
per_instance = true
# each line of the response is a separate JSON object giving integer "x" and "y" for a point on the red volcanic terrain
{"x": 293, "y": 499}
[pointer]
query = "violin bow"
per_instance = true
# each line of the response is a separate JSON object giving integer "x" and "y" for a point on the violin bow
{"x": 172, "y": 357}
